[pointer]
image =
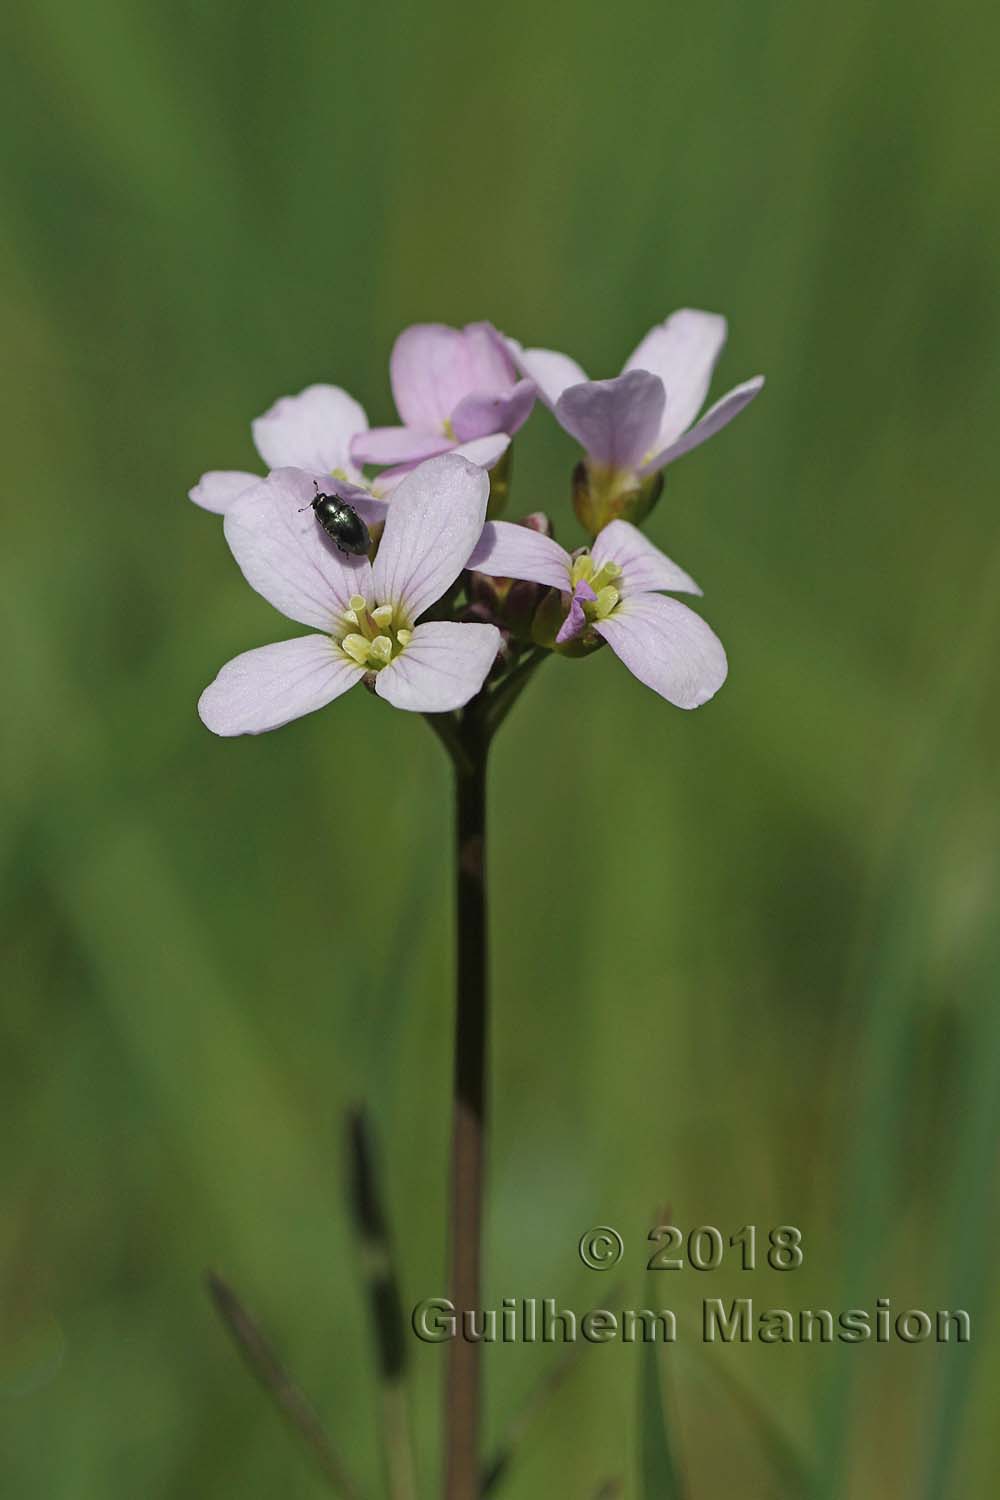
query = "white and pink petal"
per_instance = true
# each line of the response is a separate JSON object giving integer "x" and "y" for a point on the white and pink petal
{"x": 615, "y": 421}
{"x": 645, "y": 569}
{"x": 398, "y": 445}
{"x": 487, "y": 359}
{"x": 312, "y": 430}
{"x": 433, "y": 523}
{"x": 668, "y": 647}
{"x": 217, "y": 489}
{"x": 485, "y": 452}
{"x": 717, "y": 417}
{"x": 551, "y": 371}
{"x": 484, "y": 412}
{"x": 286, "y": 556}
{"x": 444, "y": 665}
{"x": 683, "y": 351}
{"x": 269, "y": 687}
{"x": 428, "y": 371}
{"x": 508, "y": 551}
{"x": 576, "y": 619}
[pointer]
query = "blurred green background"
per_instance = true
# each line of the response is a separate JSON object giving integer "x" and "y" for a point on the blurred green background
{"x": 743, "y": 957}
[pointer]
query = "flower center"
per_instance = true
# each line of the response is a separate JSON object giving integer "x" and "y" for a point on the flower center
{"x": 602, "y": 580}
{"x": 372, "y": 638}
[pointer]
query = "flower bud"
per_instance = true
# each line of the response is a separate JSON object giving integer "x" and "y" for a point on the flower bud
{"x": 538, "y": 521}
{"x": 601, "y": 495}
{"x": 546, "y": 624}
{"x": 500, "y": 484}
{"x": 481, "y": 614}
{"x": 547, "y": 619}
{"x": 510, "y": 602}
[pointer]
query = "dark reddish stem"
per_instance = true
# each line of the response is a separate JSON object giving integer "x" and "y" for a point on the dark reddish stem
{"x": 467, "y": 738}
{"x": 463, "y": 1395}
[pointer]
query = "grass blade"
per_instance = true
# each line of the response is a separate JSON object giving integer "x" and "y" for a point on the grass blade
{"x": 385, "y": 1304}
{"x": 275, "y": 1379}
{"x": 660, "y": 1476}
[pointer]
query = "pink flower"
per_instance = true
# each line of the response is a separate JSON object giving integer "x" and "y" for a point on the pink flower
{"x": 454, "y": 388}
{"x": 311, "y": 431}
{"x": 636, "y": 424}
{"x": 367, "y": 612}
{"x": 616, "y": 591}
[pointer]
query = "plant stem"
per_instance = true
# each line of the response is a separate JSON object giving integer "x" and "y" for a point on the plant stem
{"x": 462, "y": 1410}
{"x": 467, "y": 738}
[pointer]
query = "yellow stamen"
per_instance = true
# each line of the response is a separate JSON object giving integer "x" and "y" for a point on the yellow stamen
{"x": 608, "y": 573}
{"x": 606, "y": 602}
{"x": 583, "y": 568}
{"x": 357, "y": 648}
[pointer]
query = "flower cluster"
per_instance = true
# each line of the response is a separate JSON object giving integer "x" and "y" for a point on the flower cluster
{"x": 447, "y": 605}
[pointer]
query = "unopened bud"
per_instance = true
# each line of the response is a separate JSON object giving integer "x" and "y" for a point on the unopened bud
{"x": 477, "y": 614}
{"x": 481, "y": 614}
{"x": 488, "y": 591}
{"x": 510, "y": 602}
{"x": 538, "y": 521}
{"x": 548, "y": 617}
{"x": 500, "y": 483}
